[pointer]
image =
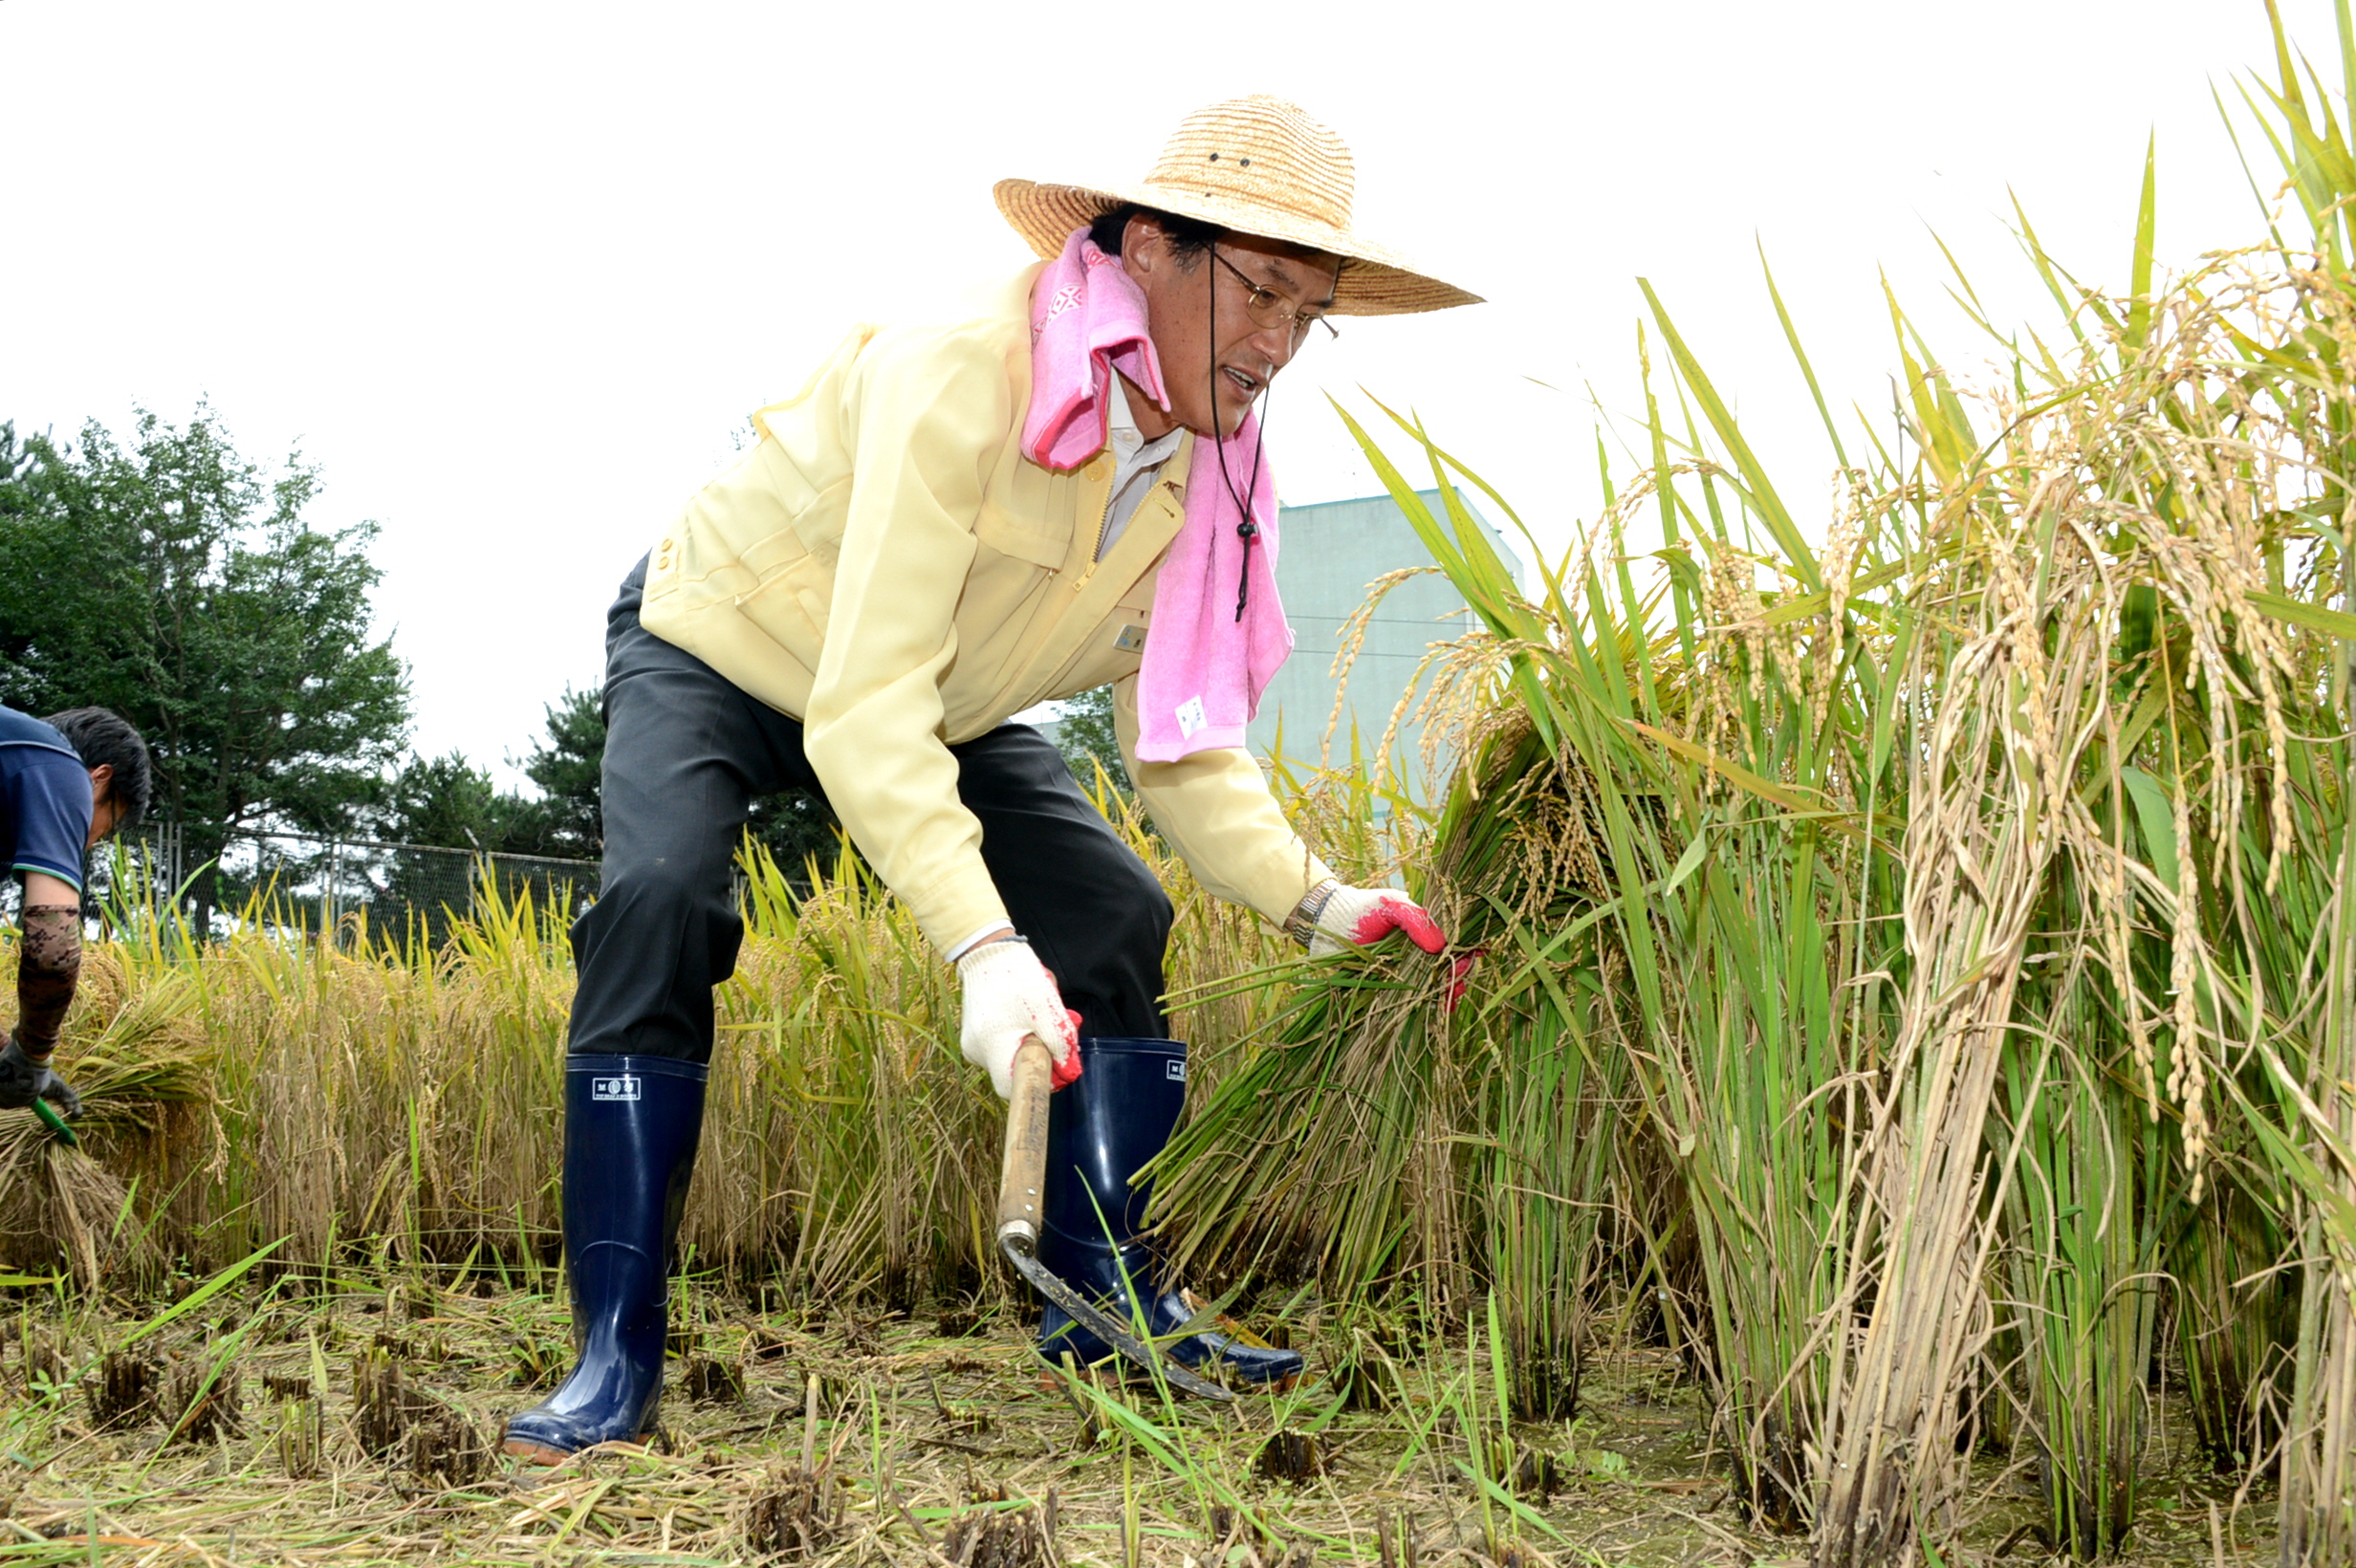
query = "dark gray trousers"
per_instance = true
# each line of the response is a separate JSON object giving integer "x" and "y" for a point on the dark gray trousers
{"x": 687, "y": 752}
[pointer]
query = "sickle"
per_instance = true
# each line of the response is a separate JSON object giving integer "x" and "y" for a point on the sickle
{"x": 1022, "y": 1178}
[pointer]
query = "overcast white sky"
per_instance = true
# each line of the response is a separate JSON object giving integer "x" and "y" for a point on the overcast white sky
{"x": 514, "y": 274}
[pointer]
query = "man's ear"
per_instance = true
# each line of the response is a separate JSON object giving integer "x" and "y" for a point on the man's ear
{"x": 101, "y": 783}
{"x": 1143, "y": 245}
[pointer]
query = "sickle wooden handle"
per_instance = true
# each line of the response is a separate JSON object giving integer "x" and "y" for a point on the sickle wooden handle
{"x": 1023, "y": 1176}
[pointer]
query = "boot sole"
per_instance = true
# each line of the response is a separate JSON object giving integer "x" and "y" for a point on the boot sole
{"x": 541, "y": 1453}
{"x": 1124, "y": 1376}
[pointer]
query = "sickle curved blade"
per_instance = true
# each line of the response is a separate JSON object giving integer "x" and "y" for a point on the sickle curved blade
{"x": 1107, "y": 1327}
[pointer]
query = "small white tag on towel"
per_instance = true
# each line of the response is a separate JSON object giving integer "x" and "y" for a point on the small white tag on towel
{"x": 1190, "y": 717}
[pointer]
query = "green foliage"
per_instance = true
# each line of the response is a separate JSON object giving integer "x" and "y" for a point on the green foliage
{"x": 448, "y": 801}
{"x": 568, "y": 766}
{"x": 797, "y": 829}
{"x": 1086, "y": 736}
{"x": 794, "y": 827}
{"x": 169, "y": 579}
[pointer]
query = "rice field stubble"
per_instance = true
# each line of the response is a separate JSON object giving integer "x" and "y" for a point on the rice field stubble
{"x": 365, "y": 1408}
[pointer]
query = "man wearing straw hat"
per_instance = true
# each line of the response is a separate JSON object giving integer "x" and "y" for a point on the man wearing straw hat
{"x": 956, "y": 520}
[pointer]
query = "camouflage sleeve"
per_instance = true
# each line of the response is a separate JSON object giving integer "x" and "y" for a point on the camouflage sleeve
{"x": 49, "y": 962}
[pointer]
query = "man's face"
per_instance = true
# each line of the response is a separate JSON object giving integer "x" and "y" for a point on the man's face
{"x": 1215, "y": 358}
{"x": 105, "y": 812}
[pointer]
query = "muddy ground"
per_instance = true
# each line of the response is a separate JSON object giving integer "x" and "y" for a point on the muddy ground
{"x": 358, "y": 1424}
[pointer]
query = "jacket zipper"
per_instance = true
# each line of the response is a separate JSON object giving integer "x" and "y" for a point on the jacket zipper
{"x": 1096, "y": 554}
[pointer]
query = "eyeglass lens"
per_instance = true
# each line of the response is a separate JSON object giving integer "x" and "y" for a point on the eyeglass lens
{"x": 1267, "y": 309}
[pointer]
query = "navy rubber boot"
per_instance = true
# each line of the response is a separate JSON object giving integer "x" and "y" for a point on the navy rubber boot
{"x": 630, "y": 1129}
{"x": 1100, "y": 1131}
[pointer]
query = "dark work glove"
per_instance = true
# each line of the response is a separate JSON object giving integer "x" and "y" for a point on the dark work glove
{"x": 23, "y": 1080}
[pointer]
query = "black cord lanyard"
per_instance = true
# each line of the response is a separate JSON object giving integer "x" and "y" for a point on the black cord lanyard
{"x": 1248, "y": 530}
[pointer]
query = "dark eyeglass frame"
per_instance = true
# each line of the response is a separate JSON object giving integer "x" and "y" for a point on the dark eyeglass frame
{"x": 1257, "y": 305}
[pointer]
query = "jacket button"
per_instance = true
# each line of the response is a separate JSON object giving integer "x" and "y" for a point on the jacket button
{"x": 1096, "y": 469}
{"x": 666, "y": 544}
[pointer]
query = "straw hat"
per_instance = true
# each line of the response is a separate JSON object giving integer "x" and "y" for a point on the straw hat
{"x": 1258, "y": 165}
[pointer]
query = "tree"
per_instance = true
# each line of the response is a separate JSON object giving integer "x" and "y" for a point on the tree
{"x": 1085, "y": 736}
{"x": 796, "y": 827}
{"x": 568, "y": 768}
{"x": 171, "y": 581}
{"x": 444, "y": 804}
{"x": 450, "y": 803}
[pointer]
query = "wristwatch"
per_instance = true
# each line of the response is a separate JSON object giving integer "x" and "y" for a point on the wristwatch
{"x": 1301, "y": 923}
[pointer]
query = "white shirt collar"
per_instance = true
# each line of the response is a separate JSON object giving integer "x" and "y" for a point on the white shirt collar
{"x": 1136, "y": 461}
{"x": 1130, "y": 447}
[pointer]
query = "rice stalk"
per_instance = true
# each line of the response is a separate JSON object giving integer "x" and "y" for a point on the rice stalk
{"x": 2152, "y": 478}
{"x": 2081, "y": 1256}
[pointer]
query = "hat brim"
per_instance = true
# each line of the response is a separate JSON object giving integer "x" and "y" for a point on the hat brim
{"x": 1375, "y": 281}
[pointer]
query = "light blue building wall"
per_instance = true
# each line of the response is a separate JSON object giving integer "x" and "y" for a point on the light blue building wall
{"x": 1329, "y": 553}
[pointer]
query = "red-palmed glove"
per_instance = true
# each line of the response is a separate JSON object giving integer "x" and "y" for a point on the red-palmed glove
{"x": 1009, "y": 995}
{"x": 1334, "y": 915}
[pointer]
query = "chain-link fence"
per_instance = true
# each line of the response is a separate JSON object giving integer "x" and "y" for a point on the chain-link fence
{"x": 314, "y": 884}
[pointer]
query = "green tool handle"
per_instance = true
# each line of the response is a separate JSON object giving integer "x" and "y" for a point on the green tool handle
{"x": 54, "y": 1123}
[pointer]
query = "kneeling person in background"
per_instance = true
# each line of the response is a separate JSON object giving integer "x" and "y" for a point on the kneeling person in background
{"x": 66, "y": 782}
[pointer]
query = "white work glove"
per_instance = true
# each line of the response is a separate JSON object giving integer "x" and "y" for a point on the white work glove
{"x": 1009, "y": 995}
{"x": 1334, "y": 915}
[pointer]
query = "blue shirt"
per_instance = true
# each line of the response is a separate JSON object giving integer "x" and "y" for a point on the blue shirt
{"x": 45, "y": 801}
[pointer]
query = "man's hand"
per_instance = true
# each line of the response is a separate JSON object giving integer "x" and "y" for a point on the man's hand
{"x": 24, "y": 1080}
{"x": 1340, "y": 916}
{"x": 1009, "y": 995}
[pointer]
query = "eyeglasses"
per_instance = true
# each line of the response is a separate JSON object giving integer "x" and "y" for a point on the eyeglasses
{"x": 1267, "y": 309}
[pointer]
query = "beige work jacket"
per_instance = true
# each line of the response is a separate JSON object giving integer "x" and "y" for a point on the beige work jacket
{"x": 885, "y": 566}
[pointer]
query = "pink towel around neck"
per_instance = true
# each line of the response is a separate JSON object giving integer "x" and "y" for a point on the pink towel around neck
{"x": 1203, "y": 671}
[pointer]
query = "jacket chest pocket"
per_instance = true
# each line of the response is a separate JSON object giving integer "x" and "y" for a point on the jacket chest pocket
{"x": 1022, "y": 538}
{"x": 815, "y": 532}
{"x": 1031, "y": 514}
